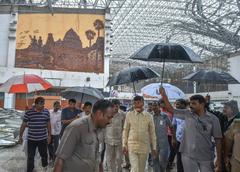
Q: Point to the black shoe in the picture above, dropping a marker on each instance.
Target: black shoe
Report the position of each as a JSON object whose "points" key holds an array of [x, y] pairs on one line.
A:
{"points": [[127, 166], [170, 166]]}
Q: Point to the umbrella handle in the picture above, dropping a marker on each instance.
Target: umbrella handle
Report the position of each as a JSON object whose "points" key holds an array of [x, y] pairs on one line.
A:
{"points": [[163, 71], [82, 94], [26, 100], [82, 97], [134, 89]]}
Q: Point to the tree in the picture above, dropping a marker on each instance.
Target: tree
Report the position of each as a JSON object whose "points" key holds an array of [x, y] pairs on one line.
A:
{"points": [[216, 20], [90, 36], [99, 25]]}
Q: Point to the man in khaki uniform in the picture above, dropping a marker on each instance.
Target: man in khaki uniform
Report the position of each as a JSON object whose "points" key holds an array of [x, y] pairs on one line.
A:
{"points": [[232, 148], [113, 139], [200, 128], [79, 146], [138, 129]]}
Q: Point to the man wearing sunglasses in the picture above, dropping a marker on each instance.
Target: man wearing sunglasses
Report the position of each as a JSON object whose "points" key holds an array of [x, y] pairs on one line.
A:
{"points": [[200, 127], [37, 119]]}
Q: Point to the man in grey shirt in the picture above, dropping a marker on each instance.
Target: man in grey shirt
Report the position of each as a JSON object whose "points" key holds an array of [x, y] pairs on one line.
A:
{"points": [[200, 127], [161, 122], [79, 146]]}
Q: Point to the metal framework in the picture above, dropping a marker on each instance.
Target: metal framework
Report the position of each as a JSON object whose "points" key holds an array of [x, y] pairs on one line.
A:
{"points": [[209, 27]]}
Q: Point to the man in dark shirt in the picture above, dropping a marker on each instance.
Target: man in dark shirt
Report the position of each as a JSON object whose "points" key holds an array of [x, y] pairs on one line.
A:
{"points": [[230, 112], [69, 114], [39, 133]]}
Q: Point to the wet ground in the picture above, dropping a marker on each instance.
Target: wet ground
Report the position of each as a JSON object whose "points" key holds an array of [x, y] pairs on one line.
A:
{"points": [[13, 160]]}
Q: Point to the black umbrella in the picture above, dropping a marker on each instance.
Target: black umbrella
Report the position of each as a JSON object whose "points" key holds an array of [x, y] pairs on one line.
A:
{"points": [[212, 77], [166, 52], [131, 75], [82, 94]]}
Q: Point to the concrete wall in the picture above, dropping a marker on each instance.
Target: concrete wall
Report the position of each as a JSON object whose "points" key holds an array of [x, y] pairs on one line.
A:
{"points": [[4, 27], [218, 95], [57, 78], [234, 89]]}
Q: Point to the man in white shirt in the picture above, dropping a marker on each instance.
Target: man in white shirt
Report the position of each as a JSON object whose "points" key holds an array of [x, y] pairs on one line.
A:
{"points": [[87, 109], [55, 120]]}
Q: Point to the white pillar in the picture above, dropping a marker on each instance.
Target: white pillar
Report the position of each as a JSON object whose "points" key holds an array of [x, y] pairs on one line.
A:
{"points": [[9, 101], [107, 53], [194, 82], [234, 63]]}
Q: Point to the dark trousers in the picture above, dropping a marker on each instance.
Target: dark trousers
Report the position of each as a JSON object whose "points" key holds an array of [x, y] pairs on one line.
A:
{"points": [[52, 147], [150, 160], [172, 151], [42, 149], [179, 159]]}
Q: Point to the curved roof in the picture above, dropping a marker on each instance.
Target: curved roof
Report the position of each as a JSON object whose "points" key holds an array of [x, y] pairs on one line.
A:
{"points": [[209, 27]]}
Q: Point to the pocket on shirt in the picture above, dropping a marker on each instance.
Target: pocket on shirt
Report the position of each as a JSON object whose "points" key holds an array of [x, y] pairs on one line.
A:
{"points": [[88, 141], [89, 148]]}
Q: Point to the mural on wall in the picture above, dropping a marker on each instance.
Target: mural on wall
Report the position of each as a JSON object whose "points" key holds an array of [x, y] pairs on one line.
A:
{"points": [[66, 42]]}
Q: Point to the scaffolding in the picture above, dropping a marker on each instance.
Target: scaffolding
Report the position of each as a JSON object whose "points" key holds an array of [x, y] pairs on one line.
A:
{"points": [[210, 27]]}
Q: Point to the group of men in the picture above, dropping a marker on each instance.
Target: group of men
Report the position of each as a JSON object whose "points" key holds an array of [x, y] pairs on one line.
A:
{"points": [[103, 134], [44, 128]]}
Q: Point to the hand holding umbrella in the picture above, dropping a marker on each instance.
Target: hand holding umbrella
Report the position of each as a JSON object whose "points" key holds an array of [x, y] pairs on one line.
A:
{"points": [[165, 99], [162, 91]]}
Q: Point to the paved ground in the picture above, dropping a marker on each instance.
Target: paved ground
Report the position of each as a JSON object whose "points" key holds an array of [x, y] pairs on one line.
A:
{"points": [[14, 160]]}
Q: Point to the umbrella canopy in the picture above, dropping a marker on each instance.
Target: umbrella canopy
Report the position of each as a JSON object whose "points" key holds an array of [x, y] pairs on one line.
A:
{"points": [[211, 77], [172, 91], [82, 94], [24, 84], [166, 52], [131, 75]]}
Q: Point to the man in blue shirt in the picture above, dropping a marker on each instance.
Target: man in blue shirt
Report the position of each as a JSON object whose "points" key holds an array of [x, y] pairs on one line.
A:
{"points": [[39, 133], [178, 128], [69, 114]]}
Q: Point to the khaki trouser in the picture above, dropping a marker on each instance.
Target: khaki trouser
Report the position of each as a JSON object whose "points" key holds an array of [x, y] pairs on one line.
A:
{"points": [[235, 165], [114, 157], [193, 165], [137, 161]]}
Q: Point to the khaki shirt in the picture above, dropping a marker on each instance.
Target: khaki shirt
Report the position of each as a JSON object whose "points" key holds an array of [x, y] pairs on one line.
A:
{"points": [[232, 139], [79, 146], [198, 133], [138, 129], [113, 132], [161, 122]]}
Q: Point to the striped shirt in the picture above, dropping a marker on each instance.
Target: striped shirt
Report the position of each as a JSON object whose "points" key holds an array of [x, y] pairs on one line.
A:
{"points": [[37, 124]]}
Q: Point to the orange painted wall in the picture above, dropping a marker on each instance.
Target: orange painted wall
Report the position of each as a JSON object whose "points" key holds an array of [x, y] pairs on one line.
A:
{"points": [[21, 104], [49, 100], [1, 103]]}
